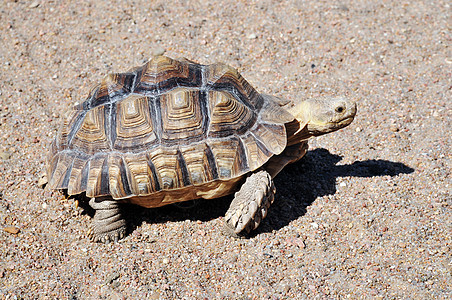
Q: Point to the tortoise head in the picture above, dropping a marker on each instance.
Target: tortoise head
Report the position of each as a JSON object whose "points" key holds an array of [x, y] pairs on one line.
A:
{"points": [[318, 116]]}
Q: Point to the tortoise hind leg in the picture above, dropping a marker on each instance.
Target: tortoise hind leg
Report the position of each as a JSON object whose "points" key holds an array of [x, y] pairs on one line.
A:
{"points": [[108, 223], [250, 204]]}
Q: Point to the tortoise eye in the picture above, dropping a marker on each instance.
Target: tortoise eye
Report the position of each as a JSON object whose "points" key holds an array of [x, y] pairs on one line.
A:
{"points": [[340, 109]]}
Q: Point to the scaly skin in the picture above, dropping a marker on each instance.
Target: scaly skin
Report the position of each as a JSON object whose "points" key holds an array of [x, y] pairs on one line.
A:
{"points": [[250, 204], [290, 155], [108, 223]]}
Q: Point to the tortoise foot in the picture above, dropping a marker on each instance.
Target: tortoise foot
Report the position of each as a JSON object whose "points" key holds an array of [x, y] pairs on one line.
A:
{"points": [[108, 225], [250, 205]]}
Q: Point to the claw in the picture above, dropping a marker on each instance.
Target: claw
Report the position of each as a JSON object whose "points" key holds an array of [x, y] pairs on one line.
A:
{"points": [[264, 211], [90, 232], [259, 195], [234, 220], [252, 207], [257, 220]]}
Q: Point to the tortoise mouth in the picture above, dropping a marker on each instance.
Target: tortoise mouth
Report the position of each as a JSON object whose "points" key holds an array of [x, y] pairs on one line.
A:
{"points": [[333, 126], [316, 129], [345, 122]]}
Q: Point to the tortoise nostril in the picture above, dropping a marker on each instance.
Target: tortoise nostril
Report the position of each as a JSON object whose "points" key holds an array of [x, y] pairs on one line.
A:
{"points": [[340, 109]]}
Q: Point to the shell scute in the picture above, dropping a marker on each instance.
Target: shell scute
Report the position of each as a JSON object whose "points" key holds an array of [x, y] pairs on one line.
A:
{"points": [[201, 166], [256, 151], [230, 157], [98, 180], [61, 169], [133, 124], [90, 136], [184, 117], [74, 185], [118, 177], [141, 177], [71, 122], [220, 76], [272, 136], [228, 115], [162, 73], [111, 89], [169, 167]]}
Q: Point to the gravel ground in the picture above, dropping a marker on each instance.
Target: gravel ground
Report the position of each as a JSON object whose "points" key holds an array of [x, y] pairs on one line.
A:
{"points": [[365, 215]]}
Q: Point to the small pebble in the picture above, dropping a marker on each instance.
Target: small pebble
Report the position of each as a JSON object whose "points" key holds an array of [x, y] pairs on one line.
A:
{"points": [[394, 128], [158, 51], [42, 181], [11, 229], [402, 245], [5, 155], [112, 277], [314, 225], [34, 4]]}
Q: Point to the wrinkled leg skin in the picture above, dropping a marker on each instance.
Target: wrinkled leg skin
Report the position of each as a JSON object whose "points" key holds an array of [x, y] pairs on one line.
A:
{"points": [[250, 205], [290, 155], [108, 224]]}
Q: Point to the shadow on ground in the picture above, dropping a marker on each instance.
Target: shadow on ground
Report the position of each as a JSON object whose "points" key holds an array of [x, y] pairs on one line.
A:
{"points": [[298, 185]]}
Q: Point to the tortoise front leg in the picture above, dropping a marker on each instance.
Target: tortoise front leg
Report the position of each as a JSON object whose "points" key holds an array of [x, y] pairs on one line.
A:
{"points": [[250, 204], [290, 155], [108, 223]]}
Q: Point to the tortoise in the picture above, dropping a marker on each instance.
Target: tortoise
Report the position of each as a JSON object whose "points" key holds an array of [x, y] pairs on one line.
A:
{"points": [[174, 130]]}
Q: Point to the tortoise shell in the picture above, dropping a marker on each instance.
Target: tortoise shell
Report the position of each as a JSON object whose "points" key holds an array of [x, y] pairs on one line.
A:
{"points": [[167, 131]]}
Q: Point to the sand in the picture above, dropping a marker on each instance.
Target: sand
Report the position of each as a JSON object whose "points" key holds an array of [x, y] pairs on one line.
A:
{"points": [[365, 215]]}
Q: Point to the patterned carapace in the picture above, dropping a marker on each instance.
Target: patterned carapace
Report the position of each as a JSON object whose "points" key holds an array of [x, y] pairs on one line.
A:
{"points": [[166, 125]]}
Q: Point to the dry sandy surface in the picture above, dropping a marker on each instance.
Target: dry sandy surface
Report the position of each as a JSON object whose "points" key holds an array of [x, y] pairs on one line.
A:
{"points": [[365, 215]]}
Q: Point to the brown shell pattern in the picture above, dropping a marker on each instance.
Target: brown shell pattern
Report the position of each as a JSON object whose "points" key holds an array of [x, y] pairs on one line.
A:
{"points": [[167, 125]]}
